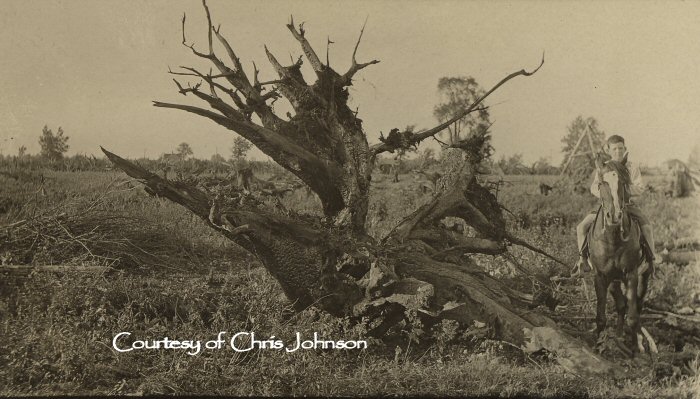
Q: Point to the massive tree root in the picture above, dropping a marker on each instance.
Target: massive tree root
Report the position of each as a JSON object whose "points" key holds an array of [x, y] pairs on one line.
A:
{"points": [[330, 262]]}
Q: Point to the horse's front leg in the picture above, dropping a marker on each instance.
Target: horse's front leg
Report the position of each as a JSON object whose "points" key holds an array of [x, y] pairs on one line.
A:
{"points": [[601, 293], [620, 306], [633, 309], [642, 287]]}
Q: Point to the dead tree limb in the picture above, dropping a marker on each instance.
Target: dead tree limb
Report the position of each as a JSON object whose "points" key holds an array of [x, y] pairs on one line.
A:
{"points": [[418, 137]]}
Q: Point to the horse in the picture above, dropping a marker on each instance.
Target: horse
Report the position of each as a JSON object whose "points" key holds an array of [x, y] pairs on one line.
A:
{"points": [[616, 254]]}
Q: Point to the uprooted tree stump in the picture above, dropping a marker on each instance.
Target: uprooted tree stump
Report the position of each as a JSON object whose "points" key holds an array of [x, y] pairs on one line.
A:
{"points": [[331, 262]]}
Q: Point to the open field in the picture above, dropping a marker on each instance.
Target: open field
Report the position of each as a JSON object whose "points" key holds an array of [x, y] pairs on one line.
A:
{"points": [[173, 276]]}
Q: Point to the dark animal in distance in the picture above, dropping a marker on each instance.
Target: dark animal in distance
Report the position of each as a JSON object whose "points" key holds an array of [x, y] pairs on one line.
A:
{"points": [[545, 189]]}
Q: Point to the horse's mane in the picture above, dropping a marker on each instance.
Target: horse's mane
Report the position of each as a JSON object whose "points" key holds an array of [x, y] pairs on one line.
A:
{"points": [[622, 172]]}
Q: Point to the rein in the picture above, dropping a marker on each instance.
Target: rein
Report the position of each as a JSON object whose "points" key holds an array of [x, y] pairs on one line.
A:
{"points": [[622, 226]]}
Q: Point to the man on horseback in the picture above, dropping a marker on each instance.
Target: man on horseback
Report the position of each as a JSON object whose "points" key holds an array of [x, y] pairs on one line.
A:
{"points": [[617, 150]]}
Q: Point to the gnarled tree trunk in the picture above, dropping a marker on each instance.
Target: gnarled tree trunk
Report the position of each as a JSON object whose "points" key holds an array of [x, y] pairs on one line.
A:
{"points": [[331, 262]]}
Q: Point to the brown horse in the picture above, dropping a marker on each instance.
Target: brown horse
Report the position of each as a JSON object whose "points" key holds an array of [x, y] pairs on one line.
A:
{"points": [[616, 254]]}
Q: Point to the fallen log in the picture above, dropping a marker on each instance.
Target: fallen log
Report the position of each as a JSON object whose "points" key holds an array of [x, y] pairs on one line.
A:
{"points": [[680, 243], [680, 257]]}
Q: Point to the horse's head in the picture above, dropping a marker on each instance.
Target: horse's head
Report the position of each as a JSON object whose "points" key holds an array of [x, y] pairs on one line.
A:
{"points": [[614, 187]]}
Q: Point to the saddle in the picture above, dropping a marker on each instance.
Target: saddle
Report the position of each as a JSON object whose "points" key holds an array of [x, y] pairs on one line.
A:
{"points": [[646, 250]]}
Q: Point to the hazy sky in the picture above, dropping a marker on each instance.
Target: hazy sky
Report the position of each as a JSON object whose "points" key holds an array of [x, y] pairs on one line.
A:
{"points": [[93, 67]]}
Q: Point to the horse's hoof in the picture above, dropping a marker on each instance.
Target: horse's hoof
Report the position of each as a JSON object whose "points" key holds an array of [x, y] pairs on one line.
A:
{"points": [[625, 349]]}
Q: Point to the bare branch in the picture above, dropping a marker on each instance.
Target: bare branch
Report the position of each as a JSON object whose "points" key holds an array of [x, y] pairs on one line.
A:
{"points": [[346, 79], [239, 103], [229, 50], [212, 87], [271, 82], [275, 64], [237, 77], [216, 103], [180, 88], [191, 46], [247, 111], [305, 46], [328, 47], [442, 143], [354, 52], [218, 118], [417, 138], [282, 149], [255, 102], [291, 86], [271, 94], [184, 16], [209, 27], [256, 82], [210, 76], [533, 248]]}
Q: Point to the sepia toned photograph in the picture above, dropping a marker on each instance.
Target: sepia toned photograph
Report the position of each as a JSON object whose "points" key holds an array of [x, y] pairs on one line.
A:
{"points": [[350, 199]]}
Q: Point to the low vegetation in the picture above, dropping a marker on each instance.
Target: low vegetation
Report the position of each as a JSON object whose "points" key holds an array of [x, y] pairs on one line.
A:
{"points": [[170, 275]]}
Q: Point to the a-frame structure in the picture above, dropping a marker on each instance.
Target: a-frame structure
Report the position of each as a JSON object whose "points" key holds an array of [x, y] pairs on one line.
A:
{"points": [[575, 153]]}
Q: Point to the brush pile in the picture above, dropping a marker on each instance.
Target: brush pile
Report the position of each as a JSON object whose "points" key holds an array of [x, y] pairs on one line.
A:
{"points": [[80, 232]]}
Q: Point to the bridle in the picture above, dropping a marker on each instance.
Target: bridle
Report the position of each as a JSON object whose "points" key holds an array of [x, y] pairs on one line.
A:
{"points": [[624, 202]]}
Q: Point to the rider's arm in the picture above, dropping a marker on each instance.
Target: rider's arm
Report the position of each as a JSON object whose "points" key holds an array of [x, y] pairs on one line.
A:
{"points": [[637, 187], [595, 190]]}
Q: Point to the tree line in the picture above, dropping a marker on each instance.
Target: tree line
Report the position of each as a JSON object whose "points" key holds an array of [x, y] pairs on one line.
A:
{"points": [[455, 92]]}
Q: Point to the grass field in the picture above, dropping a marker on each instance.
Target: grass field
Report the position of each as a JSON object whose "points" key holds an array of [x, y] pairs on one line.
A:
{"points": [[175, 277]]}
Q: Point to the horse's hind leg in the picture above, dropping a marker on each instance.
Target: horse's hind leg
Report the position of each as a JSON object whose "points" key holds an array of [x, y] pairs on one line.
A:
{"points": [[601, 293], [620, 306]]}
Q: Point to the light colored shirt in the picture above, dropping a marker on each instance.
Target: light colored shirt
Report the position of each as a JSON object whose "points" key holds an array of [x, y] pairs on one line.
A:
{"points": [[637, 186]]}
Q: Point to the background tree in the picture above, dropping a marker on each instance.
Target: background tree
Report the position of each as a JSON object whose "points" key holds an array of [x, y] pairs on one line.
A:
{"points": [[53, 145], [456, 95], [581, 167], [513, 165], [22, 151], [417, 273], [543, 167], [400, 157], [240, 148], [184, 150]]}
